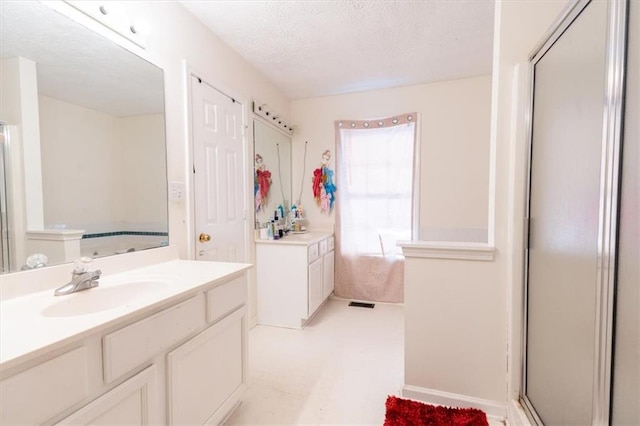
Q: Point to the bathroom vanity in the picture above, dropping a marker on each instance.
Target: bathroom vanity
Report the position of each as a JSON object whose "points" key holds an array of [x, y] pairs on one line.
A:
{"points": [[161, 344], [295, 275]]}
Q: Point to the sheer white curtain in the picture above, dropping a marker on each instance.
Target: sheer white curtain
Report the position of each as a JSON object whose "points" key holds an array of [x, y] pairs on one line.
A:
{"points": [[374, 206]]}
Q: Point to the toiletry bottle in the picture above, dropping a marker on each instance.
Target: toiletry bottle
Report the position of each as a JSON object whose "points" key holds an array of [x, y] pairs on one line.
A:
{"points": [[270, 230]]}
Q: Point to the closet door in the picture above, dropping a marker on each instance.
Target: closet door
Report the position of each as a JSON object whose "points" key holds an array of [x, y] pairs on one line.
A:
{"points": [[564, 200]]}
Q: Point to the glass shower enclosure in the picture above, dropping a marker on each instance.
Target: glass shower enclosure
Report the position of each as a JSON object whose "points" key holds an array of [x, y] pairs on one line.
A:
{"points": [[582, 331]]}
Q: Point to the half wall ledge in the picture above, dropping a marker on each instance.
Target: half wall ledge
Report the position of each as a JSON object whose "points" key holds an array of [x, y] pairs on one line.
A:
{"points": [[448, 250]]}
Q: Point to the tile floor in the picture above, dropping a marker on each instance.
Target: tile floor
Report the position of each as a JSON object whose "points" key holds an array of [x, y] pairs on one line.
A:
{"points": [[338, 370]]}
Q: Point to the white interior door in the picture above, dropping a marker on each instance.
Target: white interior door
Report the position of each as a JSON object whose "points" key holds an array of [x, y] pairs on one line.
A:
{"points": [[218, 168]]}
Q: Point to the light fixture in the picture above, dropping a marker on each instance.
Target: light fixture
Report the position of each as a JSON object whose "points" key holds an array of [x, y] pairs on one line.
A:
{"points": [[140, 27], [113, 16], [260, 109]]}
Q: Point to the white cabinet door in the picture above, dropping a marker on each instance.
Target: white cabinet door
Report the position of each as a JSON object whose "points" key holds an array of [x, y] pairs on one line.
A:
{"points": [[207, 374], [135, 402], [315, 286], [327, 274]]}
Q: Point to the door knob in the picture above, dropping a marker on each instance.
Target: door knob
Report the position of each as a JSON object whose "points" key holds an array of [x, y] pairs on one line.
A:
{"points": [[204, 238]]}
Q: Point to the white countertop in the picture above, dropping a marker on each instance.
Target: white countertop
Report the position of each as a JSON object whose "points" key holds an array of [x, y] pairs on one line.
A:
{"points": [[304, 239], [39, 322]]}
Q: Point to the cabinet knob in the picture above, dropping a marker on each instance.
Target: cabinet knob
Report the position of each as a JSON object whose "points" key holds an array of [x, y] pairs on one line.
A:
{"points": [[204, 237]]}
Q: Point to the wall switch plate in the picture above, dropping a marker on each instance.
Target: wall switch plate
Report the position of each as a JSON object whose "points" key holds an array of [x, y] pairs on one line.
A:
{"points": [[176, 191]]}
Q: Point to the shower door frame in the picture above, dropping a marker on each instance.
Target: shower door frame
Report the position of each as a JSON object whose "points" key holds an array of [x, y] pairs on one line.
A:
{"points": [[5, 258], [615, 60]]}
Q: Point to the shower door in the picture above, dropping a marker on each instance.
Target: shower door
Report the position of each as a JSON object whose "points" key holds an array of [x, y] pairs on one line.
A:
{"points": [[572, 208]]}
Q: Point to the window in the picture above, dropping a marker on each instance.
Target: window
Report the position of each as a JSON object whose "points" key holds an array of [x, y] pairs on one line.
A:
{"points": [[375, 197]]}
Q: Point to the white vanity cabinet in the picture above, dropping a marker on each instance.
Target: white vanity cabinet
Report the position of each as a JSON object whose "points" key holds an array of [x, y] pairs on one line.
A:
{"points": [[294, 275], [178, 362]]}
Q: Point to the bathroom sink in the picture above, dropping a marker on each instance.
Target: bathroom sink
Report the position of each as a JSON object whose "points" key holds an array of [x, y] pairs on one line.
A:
{"points": [[100, 299]]}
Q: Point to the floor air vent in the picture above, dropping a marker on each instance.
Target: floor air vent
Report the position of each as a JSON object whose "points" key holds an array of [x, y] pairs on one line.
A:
{"points": [[362, 305]]}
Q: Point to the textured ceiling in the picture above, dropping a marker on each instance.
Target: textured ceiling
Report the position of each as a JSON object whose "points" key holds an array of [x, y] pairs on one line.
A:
{"points": [[77, 65], [324, 47]]}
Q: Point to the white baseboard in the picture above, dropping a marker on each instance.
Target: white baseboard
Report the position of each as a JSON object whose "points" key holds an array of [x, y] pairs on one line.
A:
{"points": [[493, 409], [516, 414]]}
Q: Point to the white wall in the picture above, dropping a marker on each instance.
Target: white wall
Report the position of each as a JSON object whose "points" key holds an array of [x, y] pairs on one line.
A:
{"points": [[477, 302], [87, 154], [78, 141], [455, 329], [454, 142], [142, 144]]}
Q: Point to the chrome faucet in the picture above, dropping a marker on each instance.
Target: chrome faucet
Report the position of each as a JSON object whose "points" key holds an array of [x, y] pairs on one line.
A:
{"points": [[81, 279]]}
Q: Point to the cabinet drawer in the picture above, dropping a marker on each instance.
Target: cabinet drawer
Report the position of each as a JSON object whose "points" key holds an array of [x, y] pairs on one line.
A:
{"points": [[33, 396], [225, 298], [331, 243], [130, 346], [313, 253], [323, 247]]}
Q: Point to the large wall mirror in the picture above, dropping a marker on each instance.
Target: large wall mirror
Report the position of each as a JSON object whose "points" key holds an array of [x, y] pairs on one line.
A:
{"points": [[83, 158], [272, 171]]}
